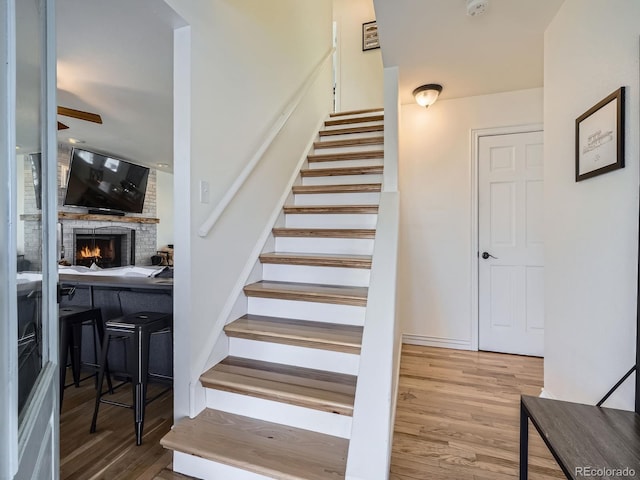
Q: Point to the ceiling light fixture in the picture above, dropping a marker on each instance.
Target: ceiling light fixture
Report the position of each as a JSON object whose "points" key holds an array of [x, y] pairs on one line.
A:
{"points": [[76, 140], [426, 95], [162, 165], [476, 7]]}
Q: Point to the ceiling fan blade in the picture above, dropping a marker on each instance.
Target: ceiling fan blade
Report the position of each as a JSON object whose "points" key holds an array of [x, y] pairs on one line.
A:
{"points": [[62, 126], [79, 114]]}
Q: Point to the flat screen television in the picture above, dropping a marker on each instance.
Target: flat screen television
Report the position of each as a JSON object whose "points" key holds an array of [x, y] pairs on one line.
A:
{"points": [[36, 170], [104, 183]]}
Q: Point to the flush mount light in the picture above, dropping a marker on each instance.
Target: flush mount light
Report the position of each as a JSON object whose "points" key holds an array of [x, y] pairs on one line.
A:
{"points": [[162, 165], [476, 7], [76, 140], [426, 95]]}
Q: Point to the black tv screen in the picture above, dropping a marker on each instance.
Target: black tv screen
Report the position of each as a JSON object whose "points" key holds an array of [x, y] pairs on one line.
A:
{"points": [[36, 170], [98, 181]]}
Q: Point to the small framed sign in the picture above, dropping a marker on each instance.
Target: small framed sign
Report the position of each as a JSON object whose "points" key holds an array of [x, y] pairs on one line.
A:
{"points": [[370, 36], [600, 137]]}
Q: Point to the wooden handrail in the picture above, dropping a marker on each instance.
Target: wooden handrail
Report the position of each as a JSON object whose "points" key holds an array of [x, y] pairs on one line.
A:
{"points": [[273, 132]]}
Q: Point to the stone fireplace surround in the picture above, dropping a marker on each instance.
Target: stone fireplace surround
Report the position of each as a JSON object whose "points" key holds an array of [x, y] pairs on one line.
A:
{"points": [[145, 233], [105, 246]]}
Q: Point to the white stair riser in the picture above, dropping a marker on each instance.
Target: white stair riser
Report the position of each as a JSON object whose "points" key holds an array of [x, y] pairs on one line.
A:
{"points": [[357, 198], [353, 277], [316, 358], [349, 246], [204, 469], [349, 136], [357, 115], [363, 162], [343, 179], [349, 148], [315, 312], [279, 412], [363, 123], [331, 220]]}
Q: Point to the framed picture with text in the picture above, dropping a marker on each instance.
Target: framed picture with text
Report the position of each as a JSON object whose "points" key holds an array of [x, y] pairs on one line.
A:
{"points": [[370, 36], [600, 137]]}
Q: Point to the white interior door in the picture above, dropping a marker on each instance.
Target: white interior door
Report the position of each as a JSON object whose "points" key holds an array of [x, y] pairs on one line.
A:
{"points": [[510, 243], [28, 269]]}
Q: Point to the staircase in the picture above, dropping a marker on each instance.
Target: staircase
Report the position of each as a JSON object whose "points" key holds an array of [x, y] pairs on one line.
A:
{"points": [[280, 405]]}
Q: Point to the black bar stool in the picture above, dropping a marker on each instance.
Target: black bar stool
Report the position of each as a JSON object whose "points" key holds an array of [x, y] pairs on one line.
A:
{"points": [[137, 328], [71, 320]]}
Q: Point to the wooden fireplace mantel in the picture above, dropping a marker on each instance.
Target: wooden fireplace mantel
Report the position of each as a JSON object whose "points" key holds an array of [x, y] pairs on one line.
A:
{"points": [[93, 217]]}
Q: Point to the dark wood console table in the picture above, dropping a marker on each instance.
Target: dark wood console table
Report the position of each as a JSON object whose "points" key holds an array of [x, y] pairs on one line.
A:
{"points": [[586, 441]]}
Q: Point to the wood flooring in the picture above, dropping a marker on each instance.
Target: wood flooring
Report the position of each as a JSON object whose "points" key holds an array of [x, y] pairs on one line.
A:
{"points": [[457, 416], [111, 453], [457, 419]]}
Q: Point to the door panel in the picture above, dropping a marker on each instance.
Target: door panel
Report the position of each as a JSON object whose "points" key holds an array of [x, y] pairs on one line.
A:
{"points": [[28, 362], [502, 213], [503, 307], [510, 229]]}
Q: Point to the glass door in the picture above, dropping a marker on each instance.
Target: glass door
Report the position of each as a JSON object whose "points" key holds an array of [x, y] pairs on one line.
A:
{"points": [[28, 212]]}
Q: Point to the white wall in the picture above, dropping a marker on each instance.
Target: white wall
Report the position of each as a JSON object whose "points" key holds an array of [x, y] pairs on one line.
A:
{"points": [[164, 207], [360, 74], [247, 59], [591, 49], [436, 217]]}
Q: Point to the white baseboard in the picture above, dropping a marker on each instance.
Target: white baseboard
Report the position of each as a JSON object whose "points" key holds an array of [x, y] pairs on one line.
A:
{"points": [[546, 394], [428, 341]]}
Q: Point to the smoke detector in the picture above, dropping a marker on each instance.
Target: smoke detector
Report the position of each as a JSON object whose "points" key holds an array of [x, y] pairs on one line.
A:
{"points": [[476, 7]]}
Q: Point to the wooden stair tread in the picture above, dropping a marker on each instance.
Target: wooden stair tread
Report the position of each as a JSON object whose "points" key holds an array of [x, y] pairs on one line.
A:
{"points": [[317, 260], [349, 142], [354, 188], [356, 112], [261, 447], [348, 130], [336, 157], [305, 387], [308, 292], [330, 209], [363, 233], [331, 172], [301, 333], [346, 121]]}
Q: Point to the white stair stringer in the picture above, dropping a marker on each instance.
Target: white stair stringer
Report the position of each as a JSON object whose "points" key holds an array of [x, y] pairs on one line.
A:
{"points": [[279, 412]]}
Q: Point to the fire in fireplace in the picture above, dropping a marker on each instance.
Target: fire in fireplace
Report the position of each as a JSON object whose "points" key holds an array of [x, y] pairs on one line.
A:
{"points": [[104, 247], [86, 252]]}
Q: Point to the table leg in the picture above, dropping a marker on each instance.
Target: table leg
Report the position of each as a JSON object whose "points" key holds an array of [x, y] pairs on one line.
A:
{"points": [[524, 442]]}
